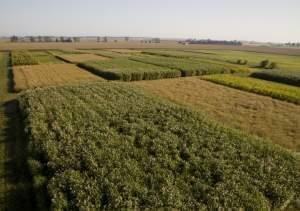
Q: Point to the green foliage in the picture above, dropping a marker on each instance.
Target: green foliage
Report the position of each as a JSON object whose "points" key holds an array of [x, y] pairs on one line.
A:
{"points": [[22, 58], [44, 57], [190, 67], [128, 70], [282, 76], [274, 90], [110, 146], [264, 63]]}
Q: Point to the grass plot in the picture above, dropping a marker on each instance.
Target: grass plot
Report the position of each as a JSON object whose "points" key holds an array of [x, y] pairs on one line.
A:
{"points": [[44, 75], [77, 58]]}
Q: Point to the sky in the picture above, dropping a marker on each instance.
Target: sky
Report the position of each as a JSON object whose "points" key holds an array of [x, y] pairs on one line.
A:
{"points": [[252, 20]]}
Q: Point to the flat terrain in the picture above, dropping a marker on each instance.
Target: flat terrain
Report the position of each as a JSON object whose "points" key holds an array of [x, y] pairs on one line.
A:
{"points": [[15, 182], [135, 44], [184, 143], [263, 116], [111, 146], [258, 86], [76, 58], [32, 76]]}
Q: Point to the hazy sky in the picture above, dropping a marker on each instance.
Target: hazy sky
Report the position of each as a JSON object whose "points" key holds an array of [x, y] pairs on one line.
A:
{"points": [[261, 20]]}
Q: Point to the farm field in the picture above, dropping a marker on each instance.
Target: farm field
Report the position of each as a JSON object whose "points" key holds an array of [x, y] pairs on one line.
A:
{"points": [[137, 151], [128, 70], [190, 67], [285, 62], [262, 116], [281, 76], [258, 86], [107, 53], [26, 77], [77, 58], [138, 45], [44, 57], [153, 139], [15, 181]]}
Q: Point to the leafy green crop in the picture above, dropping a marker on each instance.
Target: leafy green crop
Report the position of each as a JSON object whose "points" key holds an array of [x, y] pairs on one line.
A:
{"points": [[190, 67], [110, 146], [22, 58], [282, 76], [127, 70], [275, 90]]}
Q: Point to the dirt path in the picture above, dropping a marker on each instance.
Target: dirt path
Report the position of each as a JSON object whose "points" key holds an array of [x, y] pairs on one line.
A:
{"points": [[15, 184]]}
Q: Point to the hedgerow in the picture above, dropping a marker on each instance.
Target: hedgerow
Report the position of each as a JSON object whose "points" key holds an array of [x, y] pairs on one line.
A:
{"points": [[110, 146], [127, 70], [22, 58], [272, 89], [282, 76]]}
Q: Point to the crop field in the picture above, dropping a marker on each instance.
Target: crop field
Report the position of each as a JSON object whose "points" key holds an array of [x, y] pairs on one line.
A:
{"points": [[190, 67], [265, 117], [107, 53], [282, 76], [44, 57], [284, 62], [128, 70], [227, 136], [111, 146], [126, 51], [267, 88], [22, 58], [77, 58], [26, 77]]}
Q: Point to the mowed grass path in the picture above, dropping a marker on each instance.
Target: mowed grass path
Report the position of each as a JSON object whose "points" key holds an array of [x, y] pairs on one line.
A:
{"points": [[259, 115], [15, 185]]}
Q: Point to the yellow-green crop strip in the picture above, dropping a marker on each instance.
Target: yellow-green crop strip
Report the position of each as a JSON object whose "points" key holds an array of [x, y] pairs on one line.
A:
{"points": [[258, 86]]}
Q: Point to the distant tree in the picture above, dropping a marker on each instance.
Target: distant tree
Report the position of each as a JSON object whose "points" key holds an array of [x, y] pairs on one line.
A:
{"points": [[32, 39], [156, 40], [14, 39], [40, 39], [272, 65], [105, 39], [76, 39], [98, 39], [264, 63], [126, 39], [47, 39], [115, 40], [61, 39]]}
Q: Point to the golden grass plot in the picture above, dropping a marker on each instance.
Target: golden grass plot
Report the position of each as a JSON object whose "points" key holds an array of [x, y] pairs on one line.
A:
{"points": [[259, 115], [49, 74], [76, 58]]}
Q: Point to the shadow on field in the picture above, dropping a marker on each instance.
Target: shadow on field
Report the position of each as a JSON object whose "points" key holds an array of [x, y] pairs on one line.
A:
{"points": [[10, 76], [17, 177]]}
